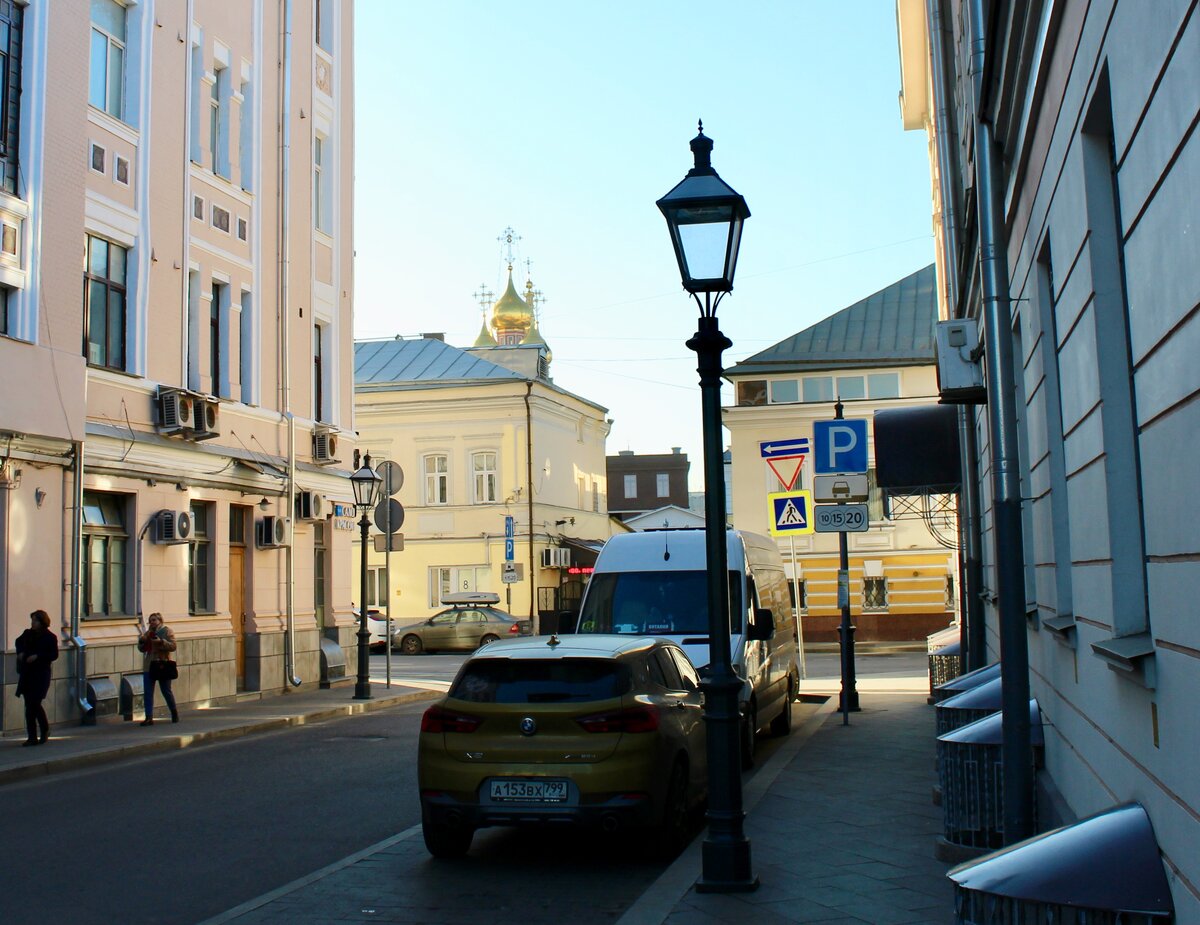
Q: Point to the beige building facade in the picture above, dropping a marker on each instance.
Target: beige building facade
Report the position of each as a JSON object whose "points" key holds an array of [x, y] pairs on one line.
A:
{"points": [[177, 306]]}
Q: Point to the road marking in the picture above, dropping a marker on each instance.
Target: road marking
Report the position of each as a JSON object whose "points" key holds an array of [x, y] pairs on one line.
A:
{"points": [[260, 901]]}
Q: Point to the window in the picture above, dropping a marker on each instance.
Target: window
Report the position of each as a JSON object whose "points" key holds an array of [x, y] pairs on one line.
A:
{"points": [[818, 388], [444, 579], [98, 158], [245, 342], [246, 138], [883, 385], [200, 559], [243, 229], [483, 475], [318, 396], [105, 554], [104, 297], [662, 484], [11, 17], [875, 594], [194, 116], [322, 186], [851, 388], [596, 497], [5, 298], [437, 479], [951, 597], [784, 391], [106, 81], [631, 486], [218, 130], [875, 506], [193, 331], [377, 587], [121, 170], [324, 24], [217, 307], [320, 567], [752, 392], [198, 208], [440, 584]]}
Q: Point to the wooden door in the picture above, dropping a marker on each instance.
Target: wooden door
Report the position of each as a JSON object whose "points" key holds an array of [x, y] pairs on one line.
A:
{"points": [[237, 608]]}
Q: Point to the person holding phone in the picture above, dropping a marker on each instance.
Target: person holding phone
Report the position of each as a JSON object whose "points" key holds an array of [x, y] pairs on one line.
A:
{"points": [[156, 643], [36, 648]]}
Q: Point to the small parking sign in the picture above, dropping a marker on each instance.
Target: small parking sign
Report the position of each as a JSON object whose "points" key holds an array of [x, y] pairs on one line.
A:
{"points": [[840, 446]]}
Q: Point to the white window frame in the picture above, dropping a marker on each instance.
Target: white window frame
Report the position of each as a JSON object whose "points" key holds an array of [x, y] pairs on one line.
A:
{"points": [[630, 485], [111, 42], [435, 478], [662, 484], [485, 478], [322, 185]]}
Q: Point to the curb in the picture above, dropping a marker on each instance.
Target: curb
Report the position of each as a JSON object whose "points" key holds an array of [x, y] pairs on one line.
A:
{"points": [[189, 739]]}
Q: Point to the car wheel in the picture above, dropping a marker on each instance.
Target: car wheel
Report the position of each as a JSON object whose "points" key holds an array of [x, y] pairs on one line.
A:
{"points": [[490, 637], [672, 831], [749, 735], [411, 645], [446, 841], [781, 725]]}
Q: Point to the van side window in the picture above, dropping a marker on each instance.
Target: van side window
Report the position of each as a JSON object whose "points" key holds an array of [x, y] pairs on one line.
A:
{"points": [[669, 670]]}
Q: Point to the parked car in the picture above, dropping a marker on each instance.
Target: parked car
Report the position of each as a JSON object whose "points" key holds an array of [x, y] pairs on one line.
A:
{"points": [[598, 730], [468, 623], [377, 624]]}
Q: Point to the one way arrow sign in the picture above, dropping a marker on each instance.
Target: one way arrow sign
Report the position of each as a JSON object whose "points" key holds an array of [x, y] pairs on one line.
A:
{"points": [[784, 449]]}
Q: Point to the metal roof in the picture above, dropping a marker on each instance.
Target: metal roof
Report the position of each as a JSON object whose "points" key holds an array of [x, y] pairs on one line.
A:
{"points": [[379, 362], [893, 327]]}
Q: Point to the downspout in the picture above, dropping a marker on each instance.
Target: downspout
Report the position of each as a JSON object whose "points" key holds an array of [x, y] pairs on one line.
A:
{"points": [[1002, 422], [76, 595], [970, 561], [141, 539], [285, 373], [184, 270], [529, 499]]}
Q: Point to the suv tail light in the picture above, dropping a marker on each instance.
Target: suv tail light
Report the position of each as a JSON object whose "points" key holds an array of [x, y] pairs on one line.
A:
{"points": [[630, 719], [437, 719]]}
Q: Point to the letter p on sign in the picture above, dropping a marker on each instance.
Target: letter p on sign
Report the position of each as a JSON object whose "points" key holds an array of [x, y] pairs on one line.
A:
{"points": [[840, 446]]}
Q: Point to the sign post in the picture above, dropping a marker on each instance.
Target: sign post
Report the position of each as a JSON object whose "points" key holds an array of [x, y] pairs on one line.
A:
{"points": [[393, 479]]}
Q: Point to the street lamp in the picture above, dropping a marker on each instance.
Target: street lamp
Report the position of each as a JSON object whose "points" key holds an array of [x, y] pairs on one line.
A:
{"points": [[705, 215], [365, 482]]}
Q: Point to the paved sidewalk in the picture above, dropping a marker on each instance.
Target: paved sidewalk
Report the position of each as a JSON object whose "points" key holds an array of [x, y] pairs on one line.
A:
{"points": [[73, 747]]}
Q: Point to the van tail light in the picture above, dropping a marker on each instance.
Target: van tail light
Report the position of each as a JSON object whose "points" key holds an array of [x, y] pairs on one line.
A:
{"points": [[437, 719], [514, 629], [630, 719]]}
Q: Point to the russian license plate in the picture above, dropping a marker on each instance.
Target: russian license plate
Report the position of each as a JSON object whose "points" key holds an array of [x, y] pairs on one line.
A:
{"points": [[508, 790]]}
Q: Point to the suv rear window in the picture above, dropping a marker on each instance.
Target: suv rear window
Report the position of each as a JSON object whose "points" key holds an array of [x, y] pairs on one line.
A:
{"points": [[565, 680]]}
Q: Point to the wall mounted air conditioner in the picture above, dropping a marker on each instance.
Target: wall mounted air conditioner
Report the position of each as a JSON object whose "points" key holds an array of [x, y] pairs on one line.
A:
{"points": [[172, 527], [208, 418], [311, 505], [960, 373], [272, 532], [325, 446], [556, 557], [176, 411]]}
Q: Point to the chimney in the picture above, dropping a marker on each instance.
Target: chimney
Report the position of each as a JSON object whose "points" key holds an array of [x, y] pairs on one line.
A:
{"points": [[624, 452], [434, 335], [676, 450]]}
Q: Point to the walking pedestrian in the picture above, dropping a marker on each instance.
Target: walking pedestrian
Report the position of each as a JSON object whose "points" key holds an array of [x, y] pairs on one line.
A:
{"points": [[157, 643], [36, 648]]}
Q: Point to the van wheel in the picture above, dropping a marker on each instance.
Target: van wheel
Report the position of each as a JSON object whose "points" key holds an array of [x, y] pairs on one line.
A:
{"points": [[446, 841], [781, 725], [411, 645], [749, 735]]}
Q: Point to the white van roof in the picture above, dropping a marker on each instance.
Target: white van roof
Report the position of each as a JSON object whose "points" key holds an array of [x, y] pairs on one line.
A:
{"points": [[471, 597], [644, 552]]}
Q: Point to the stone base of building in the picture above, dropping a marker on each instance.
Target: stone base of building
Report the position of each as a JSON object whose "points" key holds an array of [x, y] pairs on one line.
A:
{"points": [[876, 627]]}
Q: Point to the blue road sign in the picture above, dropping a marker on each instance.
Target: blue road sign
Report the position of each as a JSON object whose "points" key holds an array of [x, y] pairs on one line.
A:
{"points": [[841, 446], [509, 549], [791, 512], [784, 449], [508, 526]]}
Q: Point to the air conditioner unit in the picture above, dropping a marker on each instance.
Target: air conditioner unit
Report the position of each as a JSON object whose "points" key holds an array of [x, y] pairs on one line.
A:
{"points": [[208, 418], [564, 557], [176, 411], [272, 532], [556, 557], [325, 445], [548, 560], [959, 372], [311, 505], [172, 527]]}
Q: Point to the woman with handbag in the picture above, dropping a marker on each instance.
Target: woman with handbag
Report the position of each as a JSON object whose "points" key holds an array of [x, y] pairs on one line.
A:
{"points": [[36, 648], [157, 643]]}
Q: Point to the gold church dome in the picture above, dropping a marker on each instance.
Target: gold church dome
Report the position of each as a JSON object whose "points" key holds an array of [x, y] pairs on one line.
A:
{"points": [[485, 338], [535, 337], [511, 314]]}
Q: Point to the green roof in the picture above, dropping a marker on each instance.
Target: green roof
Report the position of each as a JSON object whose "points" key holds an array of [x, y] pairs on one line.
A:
{"points": [[893, 327]]}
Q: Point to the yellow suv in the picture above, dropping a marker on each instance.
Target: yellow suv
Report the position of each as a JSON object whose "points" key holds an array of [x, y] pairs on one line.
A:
{"points": [[599, 730]]}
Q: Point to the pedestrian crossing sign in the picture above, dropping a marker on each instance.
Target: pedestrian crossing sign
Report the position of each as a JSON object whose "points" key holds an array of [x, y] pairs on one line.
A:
{"points": [[790, 512]]}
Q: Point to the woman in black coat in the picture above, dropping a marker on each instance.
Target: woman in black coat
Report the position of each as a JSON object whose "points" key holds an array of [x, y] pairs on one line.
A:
{"points": [[37, 647]]}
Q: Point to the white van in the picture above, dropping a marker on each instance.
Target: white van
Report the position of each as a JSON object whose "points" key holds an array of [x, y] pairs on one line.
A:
{"points": [[655, 584]]}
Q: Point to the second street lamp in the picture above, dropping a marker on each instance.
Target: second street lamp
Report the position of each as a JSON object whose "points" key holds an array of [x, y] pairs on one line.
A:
{"points": [[365, 481], [705, 216]]}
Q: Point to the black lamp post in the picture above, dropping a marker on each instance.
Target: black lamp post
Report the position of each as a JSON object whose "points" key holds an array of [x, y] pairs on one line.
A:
{"points": [[705, 217], [366, 482]]}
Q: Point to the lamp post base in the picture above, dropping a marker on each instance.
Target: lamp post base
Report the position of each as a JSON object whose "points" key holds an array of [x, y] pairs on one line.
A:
{"points": [[731, 858]]}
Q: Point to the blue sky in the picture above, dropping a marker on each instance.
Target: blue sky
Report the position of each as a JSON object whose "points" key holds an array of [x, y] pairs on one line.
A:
{"points": [[567, 121]]}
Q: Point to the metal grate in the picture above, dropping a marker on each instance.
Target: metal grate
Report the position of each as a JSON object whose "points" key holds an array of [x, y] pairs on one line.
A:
{"points": [[972, 777], [945, 665], [975, 908]]}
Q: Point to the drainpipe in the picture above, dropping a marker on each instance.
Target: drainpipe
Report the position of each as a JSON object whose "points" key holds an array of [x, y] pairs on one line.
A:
{"points": [[970, 564], [533, 620], [1002, 421], [285, 373], [76, 595]]}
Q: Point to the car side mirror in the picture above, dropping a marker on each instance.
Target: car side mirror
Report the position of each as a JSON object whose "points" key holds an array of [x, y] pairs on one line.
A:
{"points": [[762, 627]]}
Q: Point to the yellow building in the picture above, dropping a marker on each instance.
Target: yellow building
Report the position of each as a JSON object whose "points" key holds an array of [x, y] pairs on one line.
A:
{"points": [[875, 354], [170, 425], [482, 435]]}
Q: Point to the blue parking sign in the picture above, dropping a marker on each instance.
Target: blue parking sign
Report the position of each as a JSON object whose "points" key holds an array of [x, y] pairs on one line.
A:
{"points": [[840, 446]]}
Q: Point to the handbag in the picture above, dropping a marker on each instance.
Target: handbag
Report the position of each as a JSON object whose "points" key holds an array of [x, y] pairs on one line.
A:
{"points": [[163, 669]]}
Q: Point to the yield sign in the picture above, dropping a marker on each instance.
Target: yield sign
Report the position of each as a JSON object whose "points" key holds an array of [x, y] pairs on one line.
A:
{"points": [[777, 451]]}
